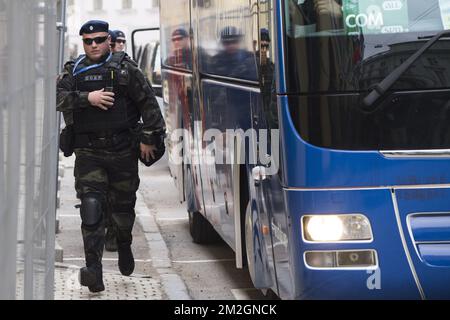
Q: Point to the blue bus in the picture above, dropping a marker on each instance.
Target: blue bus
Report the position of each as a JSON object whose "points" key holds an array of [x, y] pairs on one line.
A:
{"points": [[313, 137]]}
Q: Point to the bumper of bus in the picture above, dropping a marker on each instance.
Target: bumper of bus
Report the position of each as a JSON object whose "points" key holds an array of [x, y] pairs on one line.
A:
{"points": [[401, 271]]}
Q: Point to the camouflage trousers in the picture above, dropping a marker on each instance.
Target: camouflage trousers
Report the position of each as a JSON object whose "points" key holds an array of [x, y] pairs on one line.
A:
{"points": [[111, 176]]}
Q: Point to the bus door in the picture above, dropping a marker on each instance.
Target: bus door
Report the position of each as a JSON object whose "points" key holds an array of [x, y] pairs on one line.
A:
{"points": [[227, 112], [264, 191], [265, 186], [227, 84]]}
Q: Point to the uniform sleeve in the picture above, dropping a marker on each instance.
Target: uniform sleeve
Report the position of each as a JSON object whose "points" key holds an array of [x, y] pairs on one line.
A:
{"points": [[142, 94], [68, 99]]}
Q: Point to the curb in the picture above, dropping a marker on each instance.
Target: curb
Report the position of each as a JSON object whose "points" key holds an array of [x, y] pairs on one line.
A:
{"points": [[59, 252], [172, 284]]}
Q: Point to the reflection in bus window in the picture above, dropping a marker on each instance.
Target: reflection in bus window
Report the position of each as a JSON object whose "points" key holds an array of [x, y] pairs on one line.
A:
{"points": [[266, 79], [180, 55], [233, 60], [337, 51], [175, 34], [345, 39], [226, 45]]}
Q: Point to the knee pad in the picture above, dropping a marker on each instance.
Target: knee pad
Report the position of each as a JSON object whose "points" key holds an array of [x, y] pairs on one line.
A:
{"points": [[91, 210]]}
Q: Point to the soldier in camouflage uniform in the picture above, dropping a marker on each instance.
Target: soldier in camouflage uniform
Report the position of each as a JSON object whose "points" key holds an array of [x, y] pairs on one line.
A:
{"points": [[102, 96]]}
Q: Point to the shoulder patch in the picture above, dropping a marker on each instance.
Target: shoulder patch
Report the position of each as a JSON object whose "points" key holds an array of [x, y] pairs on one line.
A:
{"points": [[62, 75], [69, 63], [68, 66]]}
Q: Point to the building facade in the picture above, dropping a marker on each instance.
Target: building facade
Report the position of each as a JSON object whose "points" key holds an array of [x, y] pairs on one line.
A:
{"points": [[125, 15]]}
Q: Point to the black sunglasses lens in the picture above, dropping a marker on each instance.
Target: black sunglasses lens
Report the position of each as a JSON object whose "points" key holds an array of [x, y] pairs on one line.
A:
{"points": [[231, 42], [97, 40], [100, 40]]}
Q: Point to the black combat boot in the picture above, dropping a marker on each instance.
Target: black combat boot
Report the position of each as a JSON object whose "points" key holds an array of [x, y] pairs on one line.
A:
{"points": [[110, 240], [92, 277], [126, 259]]}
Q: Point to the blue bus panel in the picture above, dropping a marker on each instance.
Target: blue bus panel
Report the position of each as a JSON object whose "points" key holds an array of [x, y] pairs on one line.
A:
{"points": [[430, 251]]}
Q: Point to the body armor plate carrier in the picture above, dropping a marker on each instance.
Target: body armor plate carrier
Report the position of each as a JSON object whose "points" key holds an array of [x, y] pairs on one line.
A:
{"points": [[109, 75]]}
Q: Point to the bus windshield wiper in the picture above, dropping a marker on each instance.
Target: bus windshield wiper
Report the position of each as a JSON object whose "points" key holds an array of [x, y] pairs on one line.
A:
{"points": [[380, 89]]}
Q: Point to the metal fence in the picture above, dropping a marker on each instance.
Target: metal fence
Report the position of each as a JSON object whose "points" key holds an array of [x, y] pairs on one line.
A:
{"points": [[28, 148]]}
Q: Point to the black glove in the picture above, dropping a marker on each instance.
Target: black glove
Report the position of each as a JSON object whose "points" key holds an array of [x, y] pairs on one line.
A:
{"points": [[67, 140], [160, 150]]}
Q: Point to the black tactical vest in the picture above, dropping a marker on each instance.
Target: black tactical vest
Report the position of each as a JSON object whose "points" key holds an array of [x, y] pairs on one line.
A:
{"points": [[122, 115]]}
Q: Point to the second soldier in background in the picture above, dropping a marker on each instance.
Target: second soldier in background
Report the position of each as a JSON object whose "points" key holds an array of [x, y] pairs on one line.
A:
{"points": [[120, 41]]}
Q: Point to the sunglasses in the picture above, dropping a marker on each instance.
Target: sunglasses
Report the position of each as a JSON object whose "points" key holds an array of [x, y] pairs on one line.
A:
{"points": [[97, 40], [230, 42], [177, 39], [265, 46], [121, 41]]}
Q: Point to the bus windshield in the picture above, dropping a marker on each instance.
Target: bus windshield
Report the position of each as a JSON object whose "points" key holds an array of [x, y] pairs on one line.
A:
{"points": [[337, 51], [350, 45]]}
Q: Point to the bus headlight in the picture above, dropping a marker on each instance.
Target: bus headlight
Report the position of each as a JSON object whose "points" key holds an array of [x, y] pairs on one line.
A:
{"points": [[348, 227]]}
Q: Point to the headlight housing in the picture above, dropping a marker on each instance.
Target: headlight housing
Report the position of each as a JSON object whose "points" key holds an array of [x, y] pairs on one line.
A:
{"points": [[341, 259], [335, 228]]}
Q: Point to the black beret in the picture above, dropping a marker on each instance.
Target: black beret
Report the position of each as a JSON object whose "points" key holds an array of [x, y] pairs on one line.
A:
{"points": [[119, 34], [265, 35], [180, 33], [94, 26], [113, 36], [230, 33]]}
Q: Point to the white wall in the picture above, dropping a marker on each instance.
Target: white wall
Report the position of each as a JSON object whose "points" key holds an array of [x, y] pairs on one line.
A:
{"points": [[143, 14]]}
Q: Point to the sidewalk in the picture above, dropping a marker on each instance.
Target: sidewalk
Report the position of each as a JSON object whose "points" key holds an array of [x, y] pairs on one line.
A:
{"points": [[153, 277]]}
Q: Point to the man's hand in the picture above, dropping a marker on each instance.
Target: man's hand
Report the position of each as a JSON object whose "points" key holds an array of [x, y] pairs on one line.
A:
{"points": [[101, 99], [147, 151]]}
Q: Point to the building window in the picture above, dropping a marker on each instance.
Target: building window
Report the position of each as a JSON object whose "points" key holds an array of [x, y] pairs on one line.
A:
{"points": [[203, 3], [127, 4], [98, 5]]}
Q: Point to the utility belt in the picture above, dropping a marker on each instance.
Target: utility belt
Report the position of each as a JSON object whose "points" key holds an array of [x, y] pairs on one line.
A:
{"points": [[104, 140]]}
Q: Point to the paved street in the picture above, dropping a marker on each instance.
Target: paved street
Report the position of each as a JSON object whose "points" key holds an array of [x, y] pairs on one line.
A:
{"points": [[168, 264]]}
